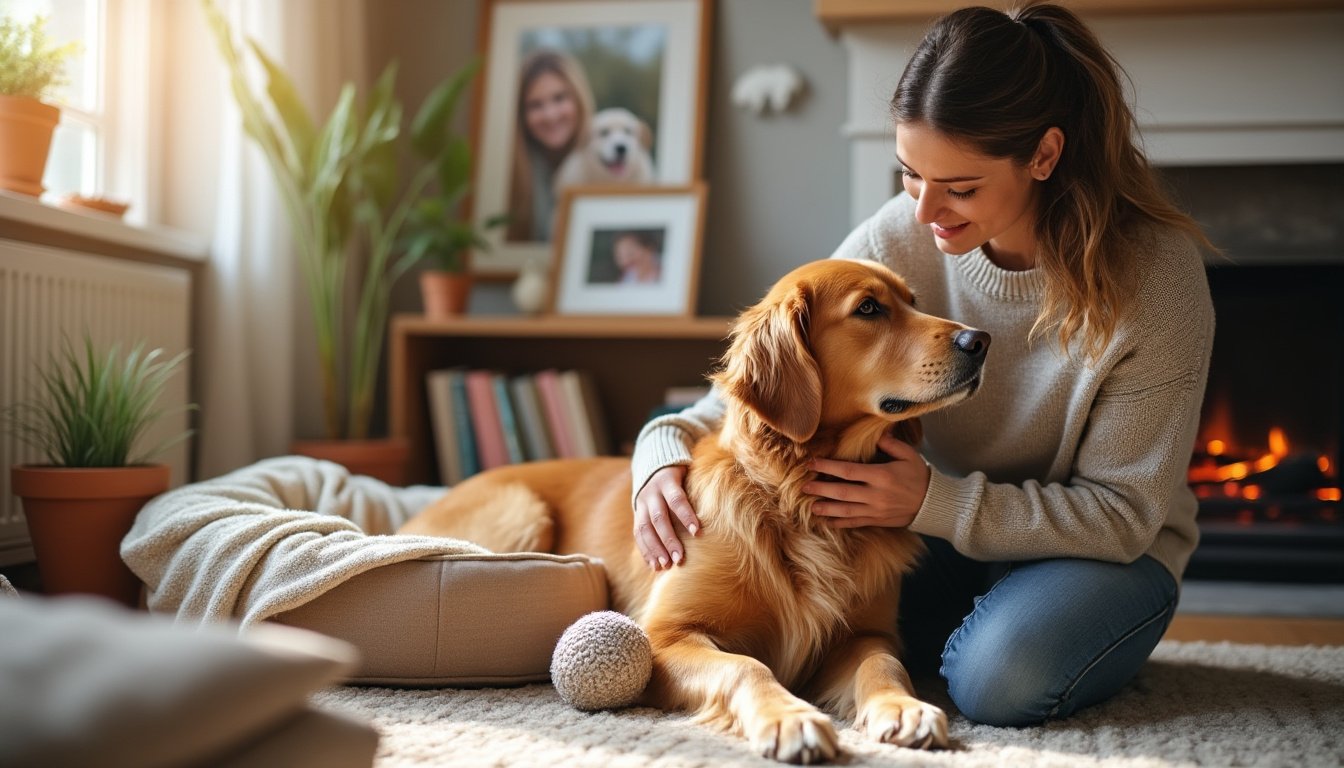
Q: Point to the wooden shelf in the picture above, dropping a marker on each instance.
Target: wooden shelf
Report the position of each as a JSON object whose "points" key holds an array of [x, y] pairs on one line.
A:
{"points": [[835, 14], [633, 361]]}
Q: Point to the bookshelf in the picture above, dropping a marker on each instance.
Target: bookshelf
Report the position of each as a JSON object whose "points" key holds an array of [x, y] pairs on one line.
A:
{"points": [[633, 361]]}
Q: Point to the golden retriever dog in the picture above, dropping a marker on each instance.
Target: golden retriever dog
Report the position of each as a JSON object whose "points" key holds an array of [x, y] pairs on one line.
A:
{"points": [[773, 616], [616, 152]]}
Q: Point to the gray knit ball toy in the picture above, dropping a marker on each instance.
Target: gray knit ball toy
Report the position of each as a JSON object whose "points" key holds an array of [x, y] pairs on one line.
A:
{"points": [[603, 661]]}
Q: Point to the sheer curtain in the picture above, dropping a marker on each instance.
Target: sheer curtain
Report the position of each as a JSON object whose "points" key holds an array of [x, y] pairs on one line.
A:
{"points": [[256, 379]]}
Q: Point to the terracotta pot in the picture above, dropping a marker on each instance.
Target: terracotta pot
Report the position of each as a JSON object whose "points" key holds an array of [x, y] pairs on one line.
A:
{"points": [[26, 126], [444, 294], [77, 518], [386, 459]]}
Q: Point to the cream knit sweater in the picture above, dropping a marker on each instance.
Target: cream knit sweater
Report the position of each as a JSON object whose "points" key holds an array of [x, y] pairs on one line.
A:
{"points": [[1056, 455]]}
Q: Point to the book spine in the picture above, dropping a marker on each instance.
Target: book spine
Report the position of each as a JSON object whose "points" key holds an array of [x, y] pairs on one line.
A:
{"points": [[527, 404], [490, 447], [466, 435], [557, 413], [595, 413], [572, 389], [439, 393], [508, 419]]}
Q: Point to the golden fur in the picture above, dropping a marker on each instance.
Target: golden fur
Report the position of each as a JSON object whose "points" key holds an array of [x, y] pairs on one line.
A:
{"points": [[771, 608]]}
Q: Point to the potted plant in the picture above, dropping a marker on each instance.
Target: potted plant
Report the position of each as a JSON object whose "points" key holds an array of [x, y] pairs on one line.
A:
{"points": [[31, 68], [435, 230], [82, 501], [340, 186]]}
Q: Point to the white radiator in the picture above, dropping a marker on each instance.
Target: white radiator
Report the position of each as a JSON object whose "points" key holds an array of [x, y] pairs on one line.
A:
{"points": [[47, 294]]}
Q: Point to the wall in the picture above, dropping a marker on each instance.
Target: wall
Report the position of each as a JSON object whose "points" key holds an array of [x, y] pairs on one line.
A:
{"points": [[777, 185]]}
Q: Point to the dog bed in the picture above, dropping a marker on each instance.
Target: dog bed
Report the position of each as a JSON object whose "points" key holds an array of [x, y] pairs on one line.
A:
{"points": [[303, 542]]}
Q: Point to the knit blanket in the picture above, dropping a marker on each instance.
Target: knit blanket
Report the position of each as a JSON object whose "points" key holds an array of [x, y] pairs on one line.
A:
{"points": [[271, 537]]}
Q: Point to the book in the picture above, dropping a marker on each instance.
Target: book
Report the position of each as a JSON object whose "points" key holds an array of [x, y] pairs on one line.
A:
{"points": [[586, 418], [491, 450], [443, 423], [508, 419], [466, 435], [557, 413], [531, 420]]}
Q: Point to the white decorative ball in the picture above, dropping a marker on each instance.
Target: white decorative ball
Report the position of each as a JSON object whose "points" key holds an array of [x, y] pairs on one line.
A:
{"points": [[603, 661]]}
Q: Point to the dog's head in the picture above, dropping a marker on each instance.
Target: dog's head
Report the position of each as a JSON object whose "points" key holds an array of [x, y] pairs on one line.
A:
{"points": [[617, 134], [838, 343]]}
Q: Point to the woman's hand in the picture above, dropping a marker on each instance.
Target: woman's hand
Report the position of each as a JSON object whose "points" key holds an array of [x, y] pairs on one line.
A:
{"points": [[873, 494], [656, 504]]}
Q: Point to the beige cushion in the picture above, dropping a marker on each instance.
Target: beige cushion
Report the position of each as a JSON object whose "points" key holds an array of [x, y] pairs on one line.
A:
{"points": [[83, 682], [457, 620], [303, 542]]}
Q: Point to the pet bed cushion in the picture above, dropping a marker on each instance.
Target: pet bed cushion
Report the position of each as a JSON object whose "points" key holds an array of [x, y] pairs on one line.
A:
{"points": [[303, 542]]}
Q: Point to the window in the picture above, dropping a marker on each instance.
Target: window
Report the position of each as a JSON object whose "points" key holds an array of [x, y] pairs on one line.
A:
{"points": [[79, 146], [99, 146]]}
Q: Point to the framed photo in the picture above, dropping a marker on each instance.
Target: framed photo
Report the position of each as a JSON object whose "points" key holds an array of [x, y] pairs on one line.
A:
{"points": [[628, 252], [578, 93]]}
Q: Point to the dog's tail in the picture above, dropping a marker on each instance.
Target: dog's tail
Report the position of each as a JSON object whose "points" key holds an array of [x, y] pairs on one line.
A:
{"points": [[501, 518]]}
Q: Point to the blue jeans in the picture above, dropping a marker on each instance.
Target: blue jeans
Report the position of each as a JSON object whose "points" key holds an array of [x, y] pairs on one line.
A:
{"points": [[1021, 643]]}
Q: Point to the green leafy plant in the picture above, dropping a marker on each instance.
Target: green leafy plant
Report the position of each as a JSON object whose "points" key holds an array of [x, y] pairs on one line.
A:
{"points": [[94, 408], [436, 231], [340, 186], [31, 65]]}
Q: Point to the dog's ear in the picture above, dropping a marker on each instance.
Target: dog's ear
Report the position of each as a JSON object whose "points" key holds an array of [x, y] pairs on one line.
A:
{"points": [[770, 368], [645, 134]]}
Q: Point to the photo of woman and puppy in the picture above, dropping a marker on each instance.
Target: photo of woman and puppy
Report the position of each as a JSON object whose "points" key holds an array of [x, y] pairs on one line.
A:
{"points": [[586, 113]]}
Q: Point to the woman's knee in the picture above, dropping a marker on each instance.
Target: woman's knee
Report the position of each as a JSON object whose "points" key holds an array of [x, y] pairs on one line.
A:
{"points": [[1000, 684], [1033, 652]]}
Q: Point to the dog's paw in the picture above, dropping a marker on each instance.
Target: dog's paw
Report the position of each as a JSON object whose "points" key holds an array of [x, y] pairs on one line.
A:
{"points": [[904, 721], [799, 734]]}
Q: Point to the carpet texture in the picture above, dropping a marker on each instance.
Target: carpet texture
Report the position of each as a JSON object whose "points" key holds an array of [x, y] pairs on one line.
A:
{"points": [[1193, 704]]}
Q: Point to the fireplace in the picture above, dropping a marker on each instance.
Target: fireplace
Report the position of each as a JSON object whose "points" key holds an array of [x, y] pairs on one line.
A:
{"points": [[1266, 467]]}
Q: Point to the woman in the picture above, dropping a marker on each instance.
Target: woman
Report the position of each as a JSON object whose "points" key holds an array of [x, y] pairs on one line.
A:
{"points": [[553, 110], [1054, 503]]}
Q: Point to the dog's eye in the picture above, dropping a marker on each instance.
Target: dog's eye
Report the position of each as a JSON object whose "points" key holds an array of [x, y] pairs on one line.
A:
{"points": [[868, 308]]}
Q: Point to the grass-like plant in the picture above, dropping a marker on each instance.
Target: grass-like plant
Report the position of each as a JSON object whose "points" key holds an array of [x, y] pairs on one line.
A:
{"points": [[31, 64], [93, 408]]}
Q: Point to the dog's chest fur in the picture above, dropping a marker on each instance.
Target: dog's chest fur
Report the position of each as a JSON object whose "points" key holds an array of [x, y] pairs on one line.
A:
{"points": [[796, 585]]}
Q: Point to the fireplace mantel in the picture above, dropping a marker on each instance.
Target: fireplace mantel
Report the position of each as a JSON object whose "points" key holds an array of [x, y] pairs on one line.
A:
{"points": [[1214, 84]]}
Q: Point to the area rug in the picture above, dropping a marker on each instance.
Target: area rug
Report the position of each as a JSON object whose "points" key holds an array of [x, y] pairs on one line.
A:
{"points": [[1193, 704]]}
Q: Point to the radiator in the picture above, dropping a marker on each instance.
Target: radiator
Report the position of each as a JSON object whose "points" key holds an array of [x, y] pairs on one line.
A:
{"points": [[47, 295]]}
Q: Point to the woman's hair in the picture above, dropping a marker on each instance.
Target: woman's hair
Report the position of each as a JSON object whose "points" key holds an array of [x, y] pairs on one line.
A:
{"points": [[997, 82], [524, 146]]}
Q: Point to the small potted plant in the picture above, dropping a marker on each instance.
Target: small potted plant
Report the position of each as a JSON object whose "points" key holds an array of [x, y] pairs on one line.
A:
{"points": [[435, 230], [82, 502], [31, 68]]}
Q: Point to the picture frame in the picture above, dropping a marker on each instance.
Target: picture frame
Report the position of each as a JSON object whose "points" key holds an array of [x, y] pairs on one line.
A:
{"points": [[628, 252], [649, 58]]}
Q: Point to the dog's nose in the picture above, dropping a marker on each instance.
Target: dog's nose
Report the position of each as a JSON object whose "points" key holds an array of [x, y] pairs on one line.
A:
{"points": [[972, 342], [620, 151]]}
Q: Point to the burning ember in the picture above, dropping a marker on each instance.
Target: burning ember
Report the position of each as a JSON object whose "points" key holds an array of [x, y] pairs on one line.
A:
{"points": [[1218, 471]]}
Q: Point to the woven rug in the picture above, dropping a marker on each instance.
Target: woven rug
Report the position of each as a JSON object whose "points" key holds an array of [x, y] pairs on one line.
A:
{"points": [[1193, 704]]}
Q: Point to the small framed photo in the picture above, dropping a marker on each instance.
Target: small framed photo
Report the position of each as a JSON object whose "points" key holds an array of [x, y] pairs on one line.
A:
{"points": [[628, 252], [582, 93]]}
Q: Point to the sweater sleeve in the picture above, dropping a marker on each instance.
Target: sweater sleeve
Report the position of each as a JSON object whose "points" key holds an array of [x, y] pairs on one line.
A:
{"points": [[667, 440], [1128, 478]]}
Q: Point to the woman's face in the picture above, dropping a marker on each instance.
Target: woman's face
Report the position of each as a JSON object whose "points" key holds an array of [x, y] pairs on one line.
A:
{"points": [[550, 111], [968, 199]]}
